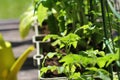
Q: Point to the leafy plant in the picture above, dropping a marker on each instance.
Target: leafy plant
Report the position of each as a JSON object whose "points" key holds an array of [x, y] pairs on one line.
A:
{"points": [[86, 59], [64, 41], [72, 61], [81, 32]]}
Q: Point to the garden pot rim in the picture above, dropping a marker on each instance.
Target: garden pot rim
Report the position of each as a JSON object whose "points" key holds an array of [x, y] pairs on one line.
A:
{"points": [[54, 78]]}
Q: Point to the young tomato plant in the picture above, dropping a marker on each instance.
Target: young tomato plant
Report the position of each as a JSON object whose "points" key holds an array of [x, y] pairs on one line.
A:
{"points": [[72, 64], [64, 41]]}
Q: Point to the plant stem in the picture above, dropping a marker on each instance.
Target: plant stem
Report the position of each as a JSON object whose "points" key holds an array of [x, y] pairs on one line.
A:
{"points": [[104, 19], [91, 9], [82, 15], [118, 67], [110, 25], [105, 31], [118, 70]]}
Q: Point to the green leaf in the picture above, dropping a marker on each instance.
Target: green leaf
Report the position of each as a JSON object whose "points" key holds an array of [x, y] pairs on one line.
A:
{"points": [[92, 69], [111, 58], [101, 61], [78, 64], [103, 74], [70, 59], [25, 22], [75, 76], [62, 45], [73, 68], [51, 54], [98, 73], [57, 42], [49, 36], [42, 13], [64, 33], [102, 53], [52, 68], [60, 69], [70, 39], [106, 60], [25, 27], [43, 70], [74, 44], [67, 69], [67, 59]]}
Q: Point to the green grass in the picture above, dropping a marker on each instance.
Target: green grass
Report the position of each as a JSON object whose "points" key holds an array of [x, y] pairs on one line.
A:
{"points": [[13, 8]]}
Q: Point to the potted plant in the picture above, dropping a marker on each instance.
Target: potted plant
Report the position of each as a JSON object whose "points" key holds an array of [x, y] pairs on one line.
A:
{"points": [[77, 65], [81, 35]]}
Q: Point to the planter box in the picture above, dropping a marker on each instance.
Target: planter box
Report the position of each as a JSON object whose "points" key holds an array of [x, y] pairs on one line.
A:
{"points": [[56, 78]]}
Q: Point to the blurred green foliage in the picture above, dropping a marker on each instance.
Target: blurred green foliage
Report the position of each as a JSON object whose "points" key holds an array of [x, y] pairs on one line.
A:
{"points": [[13, 8]]}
